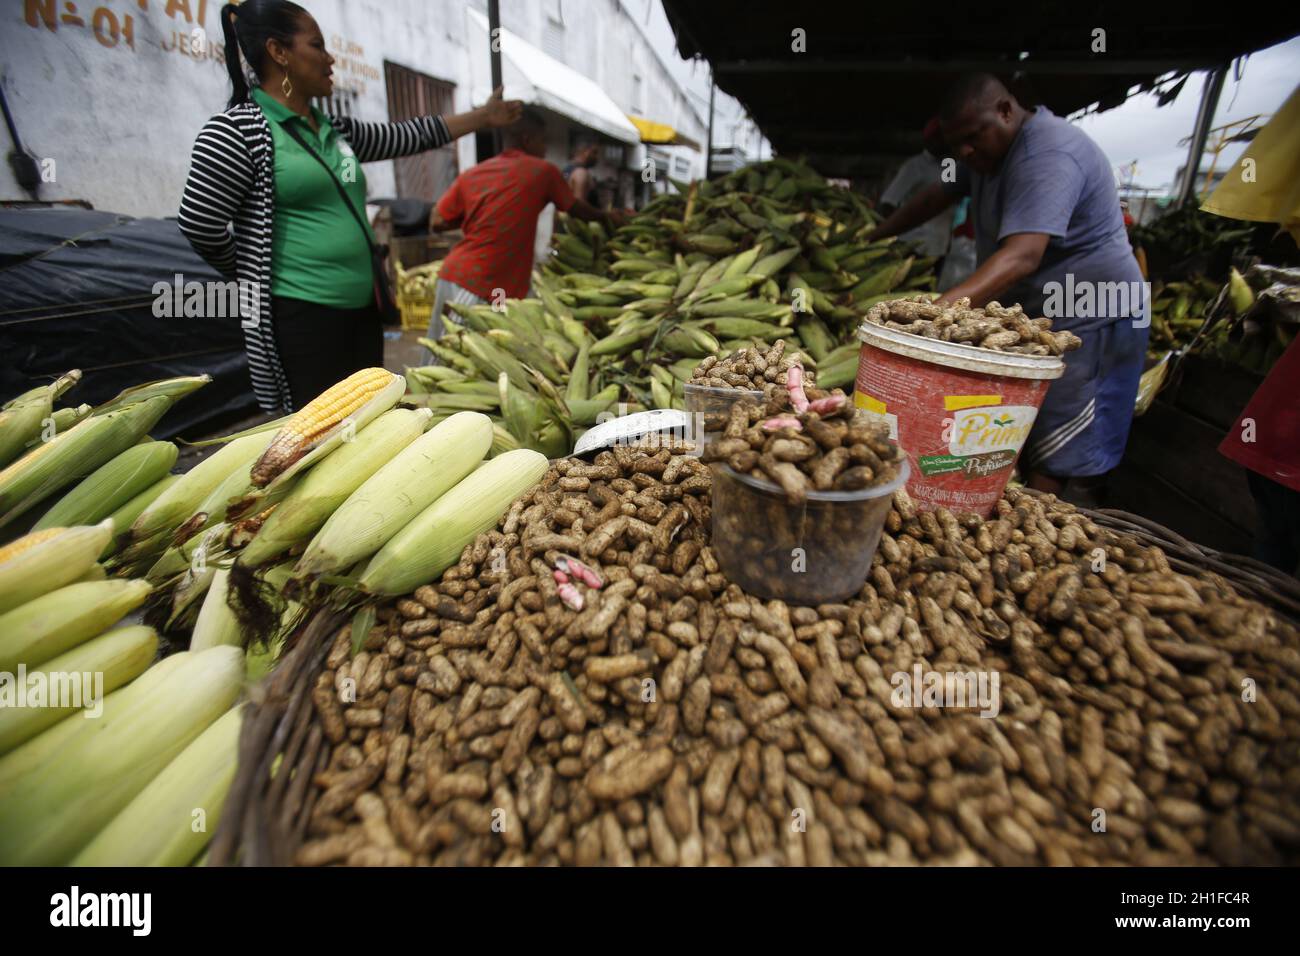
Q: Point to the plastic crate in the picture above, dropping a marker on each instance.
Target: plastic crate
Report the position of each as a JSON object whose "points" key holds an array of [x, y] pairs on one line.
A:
{"points": [[416, 306], [415, 313]]}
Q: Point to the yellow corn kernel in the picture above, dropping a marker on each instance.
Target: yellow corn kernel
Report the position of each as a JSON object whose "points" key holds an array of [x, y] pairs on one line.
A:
{"points": [[323, 413], [15, 548]]}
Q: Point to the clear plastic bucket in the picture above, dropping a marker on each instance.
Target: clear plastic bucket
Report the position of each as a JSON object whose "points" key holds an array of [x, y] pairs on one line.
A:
{"points": [[715, 405], [960, 412], [815, 553]]}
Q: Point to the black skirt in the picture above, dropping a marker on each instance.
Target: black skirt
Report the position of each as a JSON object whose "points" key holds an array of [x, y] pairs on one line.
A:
{"points": [[320, 345]]}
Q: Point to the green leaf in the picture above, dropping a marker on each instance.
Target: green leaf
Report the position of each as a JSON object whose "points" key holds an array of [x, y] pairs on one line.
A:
{"points": [[362, 622]]}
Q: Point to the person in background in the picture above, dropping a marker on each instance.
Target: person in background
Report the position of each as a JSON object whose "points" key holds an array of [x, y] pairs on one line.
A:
{"points": [[1045, 207], [959, 263], [1266, 442], [496, 204], [916, 173], [287, 177], [577, 173]]}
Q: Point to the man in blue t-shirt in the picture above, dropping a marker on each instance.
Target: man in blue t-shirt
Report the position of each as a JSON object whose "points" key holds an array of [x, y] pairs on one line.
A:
{"points": [[1050, 235]]}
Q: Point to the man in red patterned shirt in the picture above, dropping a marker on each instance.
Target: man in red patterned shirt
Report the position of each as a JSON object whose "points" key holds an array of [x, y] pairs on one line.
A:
{"points": [[496, 204]]}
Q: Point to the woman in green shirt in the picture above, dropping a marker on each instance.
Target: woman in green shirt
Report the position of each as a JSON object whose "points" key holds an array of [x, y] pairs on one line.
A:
{"points": [[288, 179]]}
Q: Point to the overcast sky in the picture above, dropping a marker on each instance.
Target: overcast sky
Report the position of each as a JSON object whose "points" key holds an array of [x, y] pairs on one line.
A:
{"points": [[1140, 130]]}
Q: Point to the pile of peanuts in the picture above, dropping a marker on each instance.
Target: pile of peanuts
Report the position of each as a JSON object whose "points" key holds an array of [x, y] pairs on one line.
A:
{"points": [[664, 717], [751, 369], [996, 327], [838, 449]]}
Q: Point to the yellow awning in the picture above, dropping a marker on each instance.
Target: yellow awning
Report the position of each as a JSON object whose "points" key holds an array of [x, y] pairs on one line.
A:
{"points": [[660, 134], [1264, 185]]}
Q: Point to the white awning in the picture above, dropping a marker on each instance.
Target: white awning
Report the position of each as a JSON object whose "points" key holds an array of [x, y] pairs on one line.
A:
{"points": [[530, 75]]}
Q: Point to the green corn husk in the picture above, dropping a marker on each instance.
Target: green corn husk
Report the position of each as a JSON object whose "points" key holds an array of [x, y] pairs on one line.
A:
{"points": [[42, 561], [20, 425], [192, 554], [115, 658], [186, 597], [502, 441], [432, 541], [74, 454], [179, 502], [169, 388], [64, 418], [579, 383], [112, 485], [21, 762], [23, 418], [160, 827], [217, 625], [56, 810], [54, 623], [329, 484], [54, 390], [125, 515], [448, 402], [390, 498]]}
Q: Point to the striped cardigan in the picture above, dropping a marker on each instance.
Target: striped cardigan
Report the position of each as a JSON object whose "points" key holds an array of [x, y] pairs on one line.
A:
{"points": [[231, 182]]}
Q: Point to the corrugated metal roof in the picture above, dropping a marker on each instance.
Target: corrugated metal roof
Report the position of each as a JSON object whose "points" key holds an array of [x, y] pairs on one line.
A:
{"points": [[854, 88]]}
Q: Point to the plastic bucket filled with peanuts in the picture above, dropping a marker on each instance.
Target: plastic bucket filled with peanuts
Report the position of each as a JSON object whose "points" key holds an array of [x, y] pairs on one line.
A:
{"points": [[816, 551], [962, 413]]}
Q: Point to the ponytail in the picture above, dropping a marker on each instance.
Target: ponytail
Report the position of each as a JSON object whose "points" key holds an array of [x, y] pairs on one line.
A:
{"points": [[247, 26], [234, 66]]}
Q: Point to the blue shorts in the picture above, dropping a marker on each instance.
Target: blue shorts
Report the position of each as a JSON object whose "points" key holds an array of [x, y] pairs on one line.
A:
{"points": [[1081, 430]]}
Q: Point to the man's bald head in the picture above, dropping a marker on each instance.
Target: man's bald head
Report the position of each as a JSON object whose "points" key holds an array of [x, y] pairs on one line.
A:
{"points": [[979, 91], [980, 119]]}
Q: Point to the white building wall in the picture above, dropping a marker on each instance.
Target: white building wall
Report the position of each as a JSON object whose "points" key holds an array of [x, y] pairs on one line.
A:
{"points": [[119, 120], [115, 102]]}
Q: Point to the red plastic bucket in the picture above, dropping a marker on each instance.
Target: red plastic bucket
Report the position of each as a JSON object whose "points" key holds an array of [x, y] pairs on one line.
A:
{"points": [[961, 413]]}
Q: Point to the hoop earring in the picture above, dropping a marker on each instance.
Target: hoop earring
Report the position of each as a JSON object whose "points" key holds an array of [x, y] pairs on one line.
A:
{"points": [[286, 87]]}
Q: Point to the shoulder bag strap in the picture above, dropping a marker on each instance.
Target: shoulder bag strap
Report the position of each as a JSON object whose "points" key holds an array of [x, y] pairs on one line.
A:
{"points": [[347, 201]]}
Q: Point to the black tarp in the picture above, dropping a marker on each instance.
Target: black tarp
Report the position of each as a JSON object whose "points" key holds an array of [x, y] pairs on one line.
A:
{"points": [[77, 291]]}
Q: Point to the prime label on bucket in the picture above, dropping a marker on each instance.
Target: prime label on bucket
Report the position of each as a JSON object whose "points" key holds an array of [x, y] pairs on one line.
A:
{"points": [[962, 430]]}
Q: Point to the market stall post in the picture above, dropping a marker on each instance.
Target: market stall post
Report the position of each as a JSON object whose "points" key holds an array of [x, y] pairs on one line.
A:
{"points": [[1204, 119], [488, 143]]}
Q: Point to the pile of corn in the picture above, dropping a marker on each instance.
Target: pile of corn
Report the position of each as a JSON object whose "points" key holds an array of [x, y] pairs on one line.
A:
{"points": [[584, 687], [349, 485], [1178, 310], [769, 251], [232, 553], [106, 757], [1249, 323], [350, 490], [419, 282], [43, 451]]}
